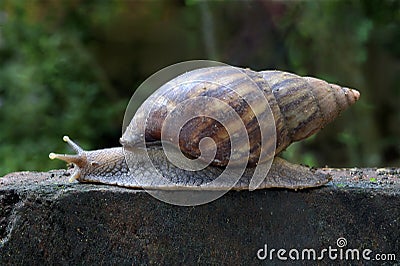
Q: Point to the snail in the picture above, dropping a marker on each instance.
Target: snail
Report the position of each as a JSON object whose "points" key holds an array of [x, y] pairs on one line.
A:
{"points": [[299, 107]]}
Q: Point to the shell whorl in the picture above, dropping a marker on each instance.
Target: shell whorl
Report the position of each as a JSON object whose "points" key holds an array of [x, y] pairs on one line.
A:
{"points": [[306, 104], [300, 107]]}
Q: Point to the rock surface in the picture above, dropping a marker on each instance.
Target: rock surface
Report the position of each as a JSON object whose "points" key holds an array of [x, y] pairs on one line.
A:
{"points": [[46, 219]]}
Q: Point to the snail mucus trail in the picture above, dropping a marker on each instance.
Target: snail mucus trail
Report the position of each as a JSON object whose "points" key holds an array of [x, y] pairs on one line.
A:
{"points": [[300, 106]]}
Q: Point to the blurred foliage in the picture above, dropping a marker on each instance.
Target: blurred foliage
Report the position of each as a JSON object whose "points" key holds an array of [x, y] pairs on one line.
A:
{"points": [[50, 85], [70, 67]]}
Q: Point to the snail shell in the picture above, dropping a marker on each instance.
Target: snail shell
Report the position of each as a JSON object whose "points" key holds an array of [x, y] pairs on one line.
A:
{"points": [[300, 106]]}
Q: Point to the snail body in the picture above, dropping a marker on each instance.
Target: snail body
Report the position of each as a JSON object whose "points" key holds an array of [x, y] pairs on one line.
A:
{"points": [[297, 107]]}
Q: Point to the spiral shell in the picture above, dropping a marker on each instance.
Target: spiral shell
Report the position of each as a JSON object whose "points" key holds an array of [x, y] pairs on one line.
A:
{"points": [[300, 106]]}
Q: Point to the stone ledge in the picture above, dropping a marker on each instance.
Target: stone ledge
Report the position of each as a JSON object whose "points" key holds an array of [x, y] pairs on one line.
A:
{"points": [[45, 219]]}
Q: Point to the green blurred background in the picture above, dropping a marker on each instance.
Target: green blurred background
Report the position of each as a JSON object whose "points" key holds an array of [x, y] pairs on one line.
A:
{"points": [[70, 68]]}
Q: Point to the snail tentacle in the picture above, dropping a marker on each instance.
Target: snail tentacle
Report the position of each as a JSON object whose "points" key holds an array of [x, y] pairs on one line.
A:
{"points": [[78, 159]]}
